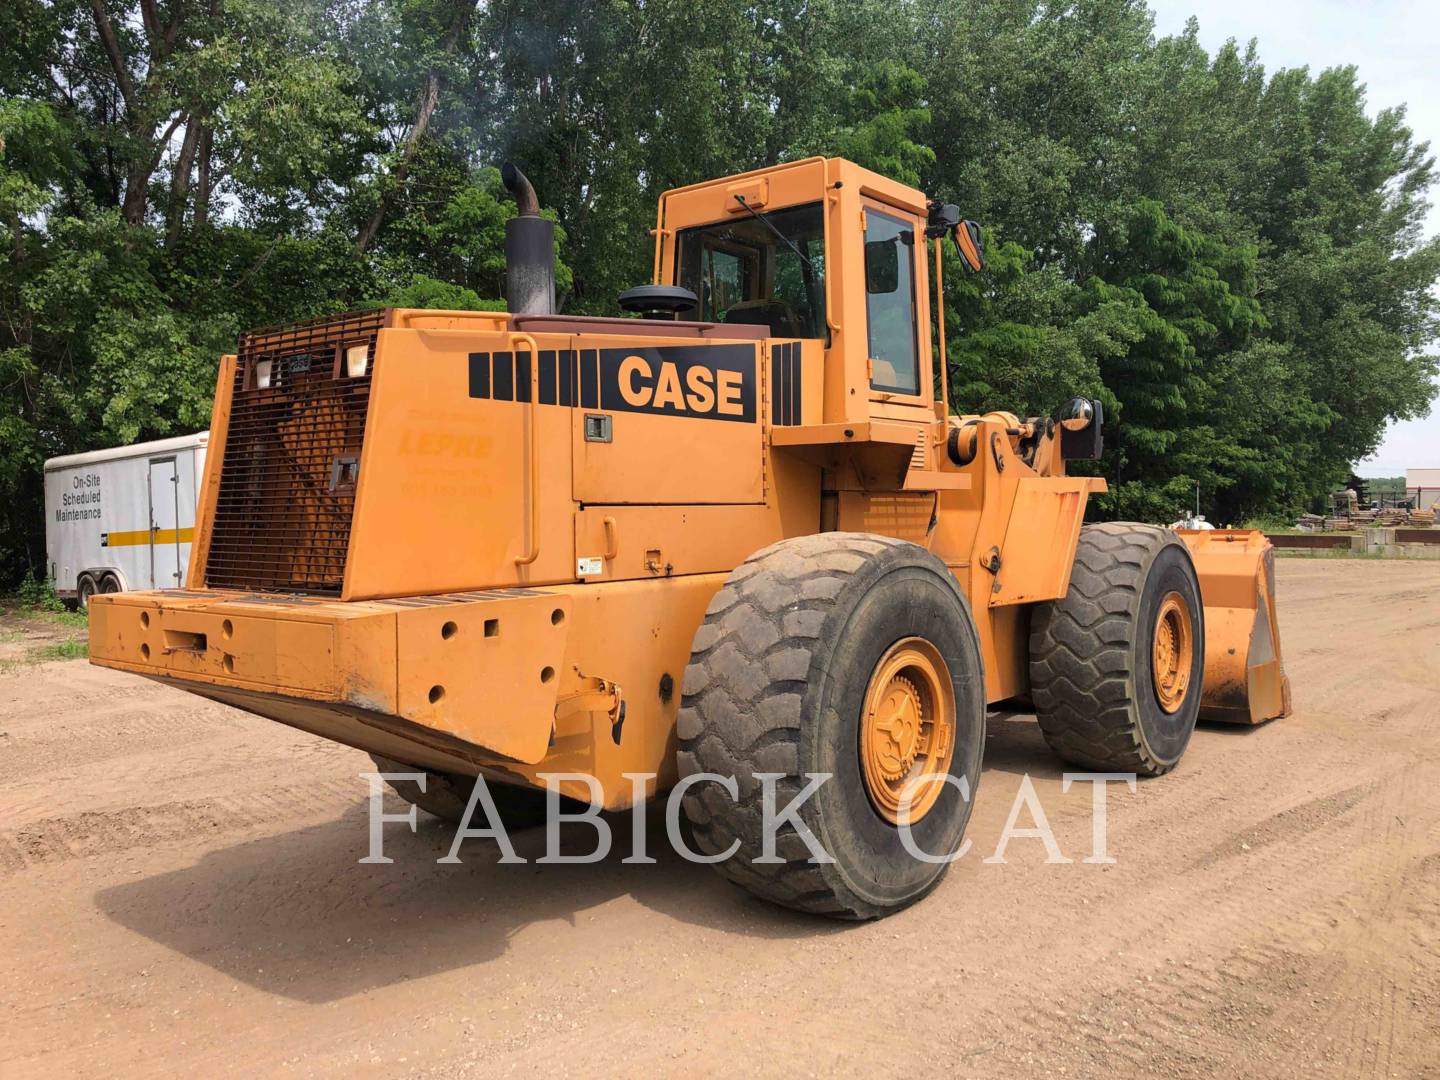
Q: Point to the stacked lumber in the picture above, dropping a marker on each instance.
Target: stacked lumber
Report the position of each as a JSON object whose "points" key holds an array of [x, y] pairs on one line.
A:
{"points": [[1310, 522], [1423, 518], [1339, 524]]}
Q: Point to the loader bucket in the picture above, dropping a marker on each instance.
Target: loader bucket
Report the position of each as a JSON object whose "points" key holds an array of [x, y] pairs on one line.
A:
{"points": [[1245, 679]]}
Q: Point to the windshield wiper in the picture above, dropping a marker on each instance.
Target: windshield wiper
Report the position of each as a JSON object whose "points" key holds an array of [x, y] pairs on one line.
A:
{"points": [[771, 226]]}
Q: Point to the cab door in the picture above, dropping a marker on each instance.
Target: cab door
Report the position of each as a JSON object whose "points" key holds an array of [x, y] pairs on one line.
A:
{"points": [[896, 311]]}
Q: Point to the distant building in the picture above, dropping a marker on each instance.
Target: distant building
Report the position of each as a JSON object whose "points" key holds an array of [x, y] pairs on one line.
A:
{"points": [[1424, 486]]}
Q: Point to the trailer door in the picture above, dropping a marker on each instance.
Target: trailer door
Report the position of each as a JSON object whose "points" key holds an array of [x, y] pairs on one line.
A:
{"points": [[164, 523]]}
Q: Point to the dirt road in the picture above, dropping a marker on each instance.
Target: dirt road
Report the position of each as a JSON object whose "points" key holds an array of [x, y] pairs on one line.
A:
{"points": [[180, 892]]}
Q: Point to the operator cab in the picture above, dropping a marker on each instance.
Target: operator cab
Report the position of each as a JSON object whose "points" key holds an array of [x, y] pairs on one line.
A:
{"points": [[821, 251], [769, 270]]}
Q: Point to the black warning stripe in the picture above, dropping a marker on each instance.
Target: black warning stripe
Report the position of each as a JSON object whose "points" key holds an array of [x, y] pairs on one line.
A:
{"points": [[505, 376], [785, 384], [589, 379]]}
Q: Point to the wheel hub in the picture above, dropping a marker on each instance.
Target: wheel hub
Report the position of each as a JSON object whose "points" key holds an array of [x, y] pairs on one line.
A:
{"points": [[907, 730], [1173, 652], [897, 728]]}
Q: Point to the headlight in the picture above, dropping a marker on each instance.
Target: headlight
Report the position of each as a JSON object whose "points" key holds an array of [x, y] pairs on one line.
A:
{"points": [[263, 368], [357, 359]]}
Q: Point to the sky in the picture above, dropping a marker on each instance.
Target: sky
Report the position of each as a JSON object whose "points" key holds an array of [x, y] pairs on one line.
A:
{"points": [[1395, 44]]}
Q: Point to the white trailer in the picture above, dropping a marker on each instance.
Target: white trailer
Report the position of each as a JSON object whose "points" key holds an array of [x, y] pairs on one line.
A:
{"points": [[122, 519]]}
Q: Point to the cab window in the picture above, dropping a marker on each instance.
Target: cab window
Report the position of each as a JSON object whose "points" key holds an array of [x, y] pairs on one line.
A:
{"points": [[890, 303], [743, 272]]}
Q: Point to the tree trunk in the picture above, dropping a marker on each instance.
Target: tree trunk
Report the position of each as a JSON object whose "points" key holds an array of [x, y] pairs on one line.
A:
{"points": [[180, 183], [137, 177], [141, 167], [424, 110], [202, 181], [132, 208], [17, 238]]}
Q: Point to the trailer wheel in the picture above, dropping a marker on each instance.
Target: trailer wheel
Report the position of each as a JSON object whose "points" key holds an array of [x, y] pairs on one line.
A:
{"points": [[446, 796], [1116, 665], [110, 584], [85, 588], [850, 656]]}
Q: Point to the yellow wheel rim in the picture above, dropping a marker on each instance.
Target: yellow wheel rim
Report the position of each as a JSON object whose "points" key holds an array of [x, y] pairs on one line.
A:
{"points": [[907, 730], [1173, 652]]}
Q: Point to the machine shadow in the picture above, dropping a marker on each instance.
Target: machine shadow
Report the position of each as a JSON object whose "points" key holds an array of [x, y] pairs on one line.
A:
{"points": [[1219, 727], [1014, 745], [297, 914]]}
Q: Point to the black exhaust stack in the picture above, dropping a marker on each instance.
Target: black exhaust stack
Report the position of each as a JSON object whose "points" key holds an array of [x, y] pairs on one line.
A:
{"points": [[529, 250]]}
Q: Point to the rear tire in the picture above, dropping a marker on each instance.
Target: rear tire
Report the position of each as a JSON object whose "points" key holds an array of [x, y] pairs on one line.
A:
{"points": [[85, 588], [110, 584], [446, 795], [782, 680], [1104, 698]]}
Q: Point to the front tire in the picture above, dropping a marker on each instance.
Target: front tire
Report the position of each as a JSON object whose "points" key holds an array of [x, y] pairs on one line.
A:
{"points": [[1116, 665], [831, 654]]}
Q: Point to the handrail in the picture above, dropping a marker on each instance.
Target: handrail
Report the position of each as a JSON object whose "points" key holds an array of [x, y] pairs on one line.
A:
{"points": [[533, 419], [832, 204], [940, 323]]}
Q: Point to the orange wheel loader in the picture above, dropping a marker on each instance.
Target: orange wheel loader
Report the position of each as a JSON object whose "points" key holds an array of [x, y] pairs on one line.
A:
{"points": [[730, 543]]}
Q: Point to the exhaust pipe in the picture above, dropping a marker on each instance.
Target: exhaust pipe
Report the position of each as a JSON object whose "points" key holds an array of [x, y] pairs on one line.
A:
{"points": [[529, 250]]}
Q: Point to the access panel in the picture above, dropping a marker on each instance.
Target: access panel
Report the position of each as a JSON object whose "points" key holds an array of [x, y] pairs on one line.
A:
{"points": [[667, 424]]}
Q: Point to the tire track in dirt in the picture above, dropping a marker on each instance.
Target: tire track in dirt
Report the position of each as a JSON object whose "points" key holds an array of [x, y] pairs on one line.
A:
{"points": [[126, 732], [91, 834], [1202, 953], [1305, 845], [1286, 824], [1380, 988]]}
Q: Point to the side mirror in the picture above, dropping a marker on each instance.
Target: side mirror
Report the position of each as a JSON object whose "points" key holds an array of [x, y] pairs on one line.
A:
{"points": [[1081, 436], [945, 218], [967, 242], [882, 266]]}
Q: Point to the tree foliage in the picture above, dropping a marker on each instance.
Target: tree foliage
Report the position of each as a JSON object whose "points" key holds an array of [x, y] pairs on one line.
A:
{"points": [[1231, 258]]}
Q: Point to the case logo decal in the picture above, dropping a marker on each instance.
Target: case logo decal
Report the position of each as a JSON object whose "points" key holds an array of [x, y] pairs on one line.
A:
{"points": [[705, 382]]}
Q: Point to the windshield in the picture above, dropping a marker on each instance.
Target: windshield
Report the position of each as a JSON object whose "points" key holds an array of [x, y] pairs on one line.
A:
{"points": [[743, 273]]}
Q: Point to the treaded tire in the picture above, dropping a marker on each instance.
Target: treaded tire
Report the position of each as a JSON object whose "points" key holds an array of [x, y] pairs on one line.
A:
{"points": [[776, 684], [446, 796], [1090, 652]]}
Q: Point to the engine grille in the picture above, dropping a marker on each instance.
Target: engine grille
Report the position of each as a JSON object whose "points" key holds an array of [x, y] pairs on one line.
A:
{"points": [[292, 458]]}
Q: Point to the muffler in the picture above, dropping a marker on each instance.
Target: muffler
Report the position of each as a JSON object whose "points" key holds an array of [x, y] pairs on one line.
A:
{"points": [[529, 250]]}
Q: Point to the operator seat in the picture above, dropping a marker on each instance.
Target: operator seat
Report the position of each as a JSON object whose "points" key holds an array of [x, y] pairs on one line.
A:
{"points": [[779, 316]]}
